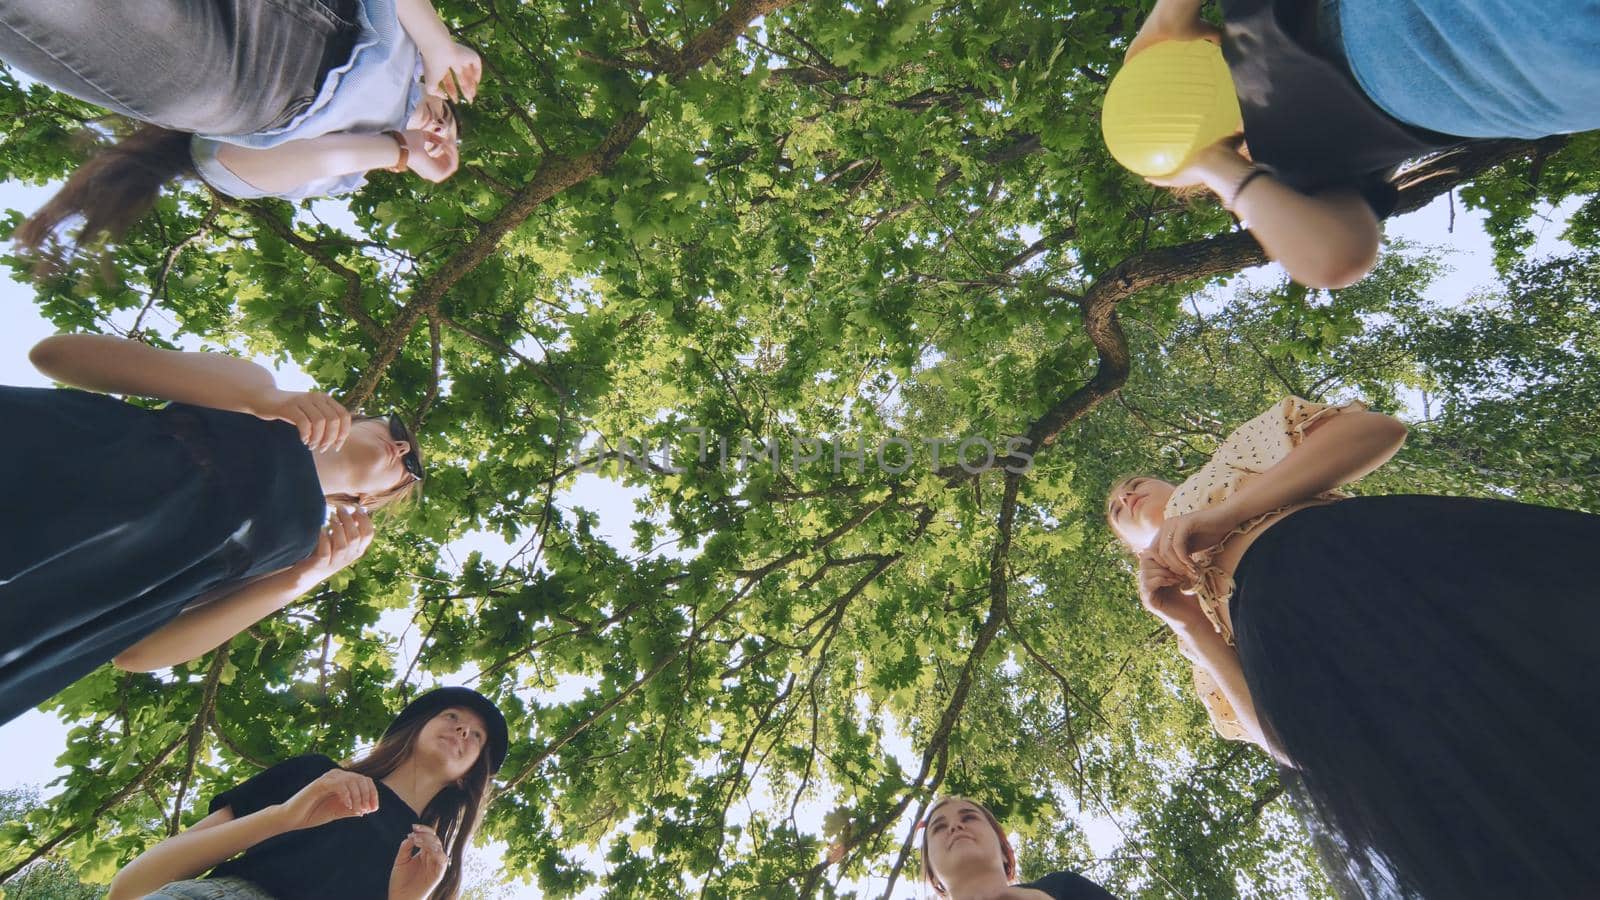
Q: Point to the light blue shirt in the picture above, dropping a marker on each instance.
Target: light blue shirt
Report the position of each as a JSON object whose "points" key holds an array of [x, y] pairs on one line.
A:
{"points": [[375, 91]]}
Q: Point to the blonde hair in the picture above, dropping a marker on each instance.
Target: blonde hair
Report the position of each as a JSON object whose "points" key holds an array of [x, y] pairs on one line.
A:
{"points": [[1008, 856], [404, 492]]}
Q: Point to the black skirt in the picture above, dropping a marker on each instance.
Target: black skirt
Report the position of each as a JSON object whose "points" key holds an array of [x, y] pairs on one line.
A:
{"points": [[1431, 665], [113, 518]]}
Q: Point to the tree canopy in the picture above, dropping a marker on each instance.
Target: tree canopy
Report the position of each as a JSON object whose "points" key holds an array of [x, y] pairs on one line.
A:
{"points": [[815, 227]]}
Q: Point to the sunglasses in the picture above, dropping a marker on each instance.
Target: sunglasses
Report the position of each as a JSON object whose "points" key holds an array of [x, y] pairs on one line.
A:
{"points": [[412, 460]]}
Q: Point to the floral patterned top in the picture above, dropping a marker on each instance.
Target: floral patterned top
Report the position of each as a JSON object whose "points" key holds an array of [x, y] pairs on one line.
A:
{"points": [[1253, 448]]}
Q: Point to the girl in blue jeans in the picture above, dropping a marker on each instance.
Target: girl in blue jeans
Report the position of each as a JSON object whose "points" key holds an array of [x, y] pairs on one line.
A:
{"points": [[1337, 94], [279, 98]]}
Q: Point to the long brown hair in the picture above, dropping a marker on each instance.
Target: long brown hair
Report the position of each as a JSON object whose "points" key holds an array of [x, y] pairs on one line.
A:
{"points": [[454, 812], [114, 189], [1008, 855]]}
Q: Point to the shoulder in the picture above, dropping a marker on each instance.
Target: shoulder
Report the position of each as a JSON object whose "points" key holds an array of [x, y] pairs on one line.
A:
{"points": [[1068, 886], [303, 769]]}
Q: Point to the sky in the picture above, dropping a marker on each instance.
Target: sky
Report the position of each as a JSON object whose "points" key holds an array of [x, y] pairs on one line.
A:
{"points": [[31, 743]]}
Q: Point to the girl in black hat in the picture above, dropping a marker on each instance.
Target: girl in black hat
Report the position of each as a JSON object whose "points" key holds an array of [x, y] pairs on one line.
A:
{"points": [[150, 536], [391, 825]]}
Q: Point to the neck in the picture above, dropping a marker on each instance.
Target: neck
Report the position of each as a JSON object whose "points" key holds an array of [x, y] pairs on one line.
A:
{"points": [[415, 784], [984, 883], [333, 473]]}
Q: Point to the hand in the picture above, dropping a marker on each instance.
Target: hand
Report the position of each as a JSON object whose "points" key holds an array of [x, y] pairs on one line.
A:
{"points": [[1218, 167], [1162, 27], [337, 794], [1161, 593], [419, 865], [453, 72], [1181, 537], [431, 158], [324, 423], [346, 537]]}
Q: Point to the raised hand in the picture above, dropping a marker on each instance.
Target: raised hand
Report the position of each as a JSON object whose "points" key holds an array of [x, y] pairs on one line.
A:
{"points": [[1164, 24], [452, 71], [432, 158], [337, 794], [1161, 593], [343, 540], [1181, 537], [323, 422], [418, 866]]}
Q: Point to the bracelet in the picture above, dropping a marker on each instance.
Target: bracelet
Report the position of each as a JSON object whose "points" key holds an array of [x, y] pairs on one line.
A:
{"points": [[1255, 172], [405, 152]]}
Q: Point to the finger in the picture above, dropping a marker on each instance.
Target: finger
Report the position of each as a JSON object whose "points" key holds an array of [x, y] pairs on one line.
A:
{"points": [[319, 426], [407, 849], [302, 422], [331, 415], [345, 422], [369, 795]]}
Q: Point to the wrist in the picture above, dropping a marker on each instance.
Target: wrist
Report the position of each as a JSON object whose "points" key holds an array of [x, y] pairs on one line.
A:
{"points": [[1222, 169]]}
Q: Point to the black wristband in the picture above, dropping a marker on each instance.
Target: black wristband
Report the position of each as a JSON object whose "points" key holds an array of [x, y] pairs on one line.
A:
{"points": [[1255, 172]]}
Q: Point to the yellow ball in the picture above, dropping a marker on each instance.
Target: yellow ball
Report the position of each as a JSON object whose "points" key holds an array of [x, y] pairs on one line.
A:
{"points": [[1167, 103]]}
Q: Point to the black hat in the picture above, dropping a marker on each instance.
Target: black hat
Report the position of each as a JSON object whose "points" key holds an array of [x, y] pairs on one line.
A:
{"points": [[439, 699]]}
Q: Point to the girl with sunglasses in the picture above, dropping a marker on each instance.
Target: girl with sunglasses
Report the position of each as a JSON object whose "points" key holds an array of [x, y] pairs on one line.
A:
{"points": [[392, 825], [291, 98], [148, 537], [1422, 666], [967, 856]]}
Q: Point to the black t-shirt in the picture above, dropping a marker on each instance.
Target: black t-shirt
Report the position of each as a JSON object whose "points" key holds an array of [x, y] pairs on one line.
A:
{"points": [[1069, 886], [347, 859], [1305, 115]]}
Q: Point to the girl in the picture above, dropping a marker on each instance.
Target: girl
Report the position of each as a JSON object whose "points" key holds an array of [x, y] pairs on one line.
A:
{"points": [[292, 99], [152, 536], [967, 856], [1423, 664], [1336, 94], [391, 826]]}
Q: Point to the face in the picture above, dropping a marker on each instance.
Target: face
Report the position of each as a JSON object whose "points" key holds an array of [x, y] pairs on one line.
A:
{"points": [[375, 458], [961, 840], [1136, 509], [435, 116], [453, 739]]}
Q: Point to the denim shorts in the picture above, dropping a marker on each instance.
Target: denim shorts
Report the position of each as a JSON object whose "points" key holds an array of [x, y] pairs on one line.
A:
{"points": [[1476, 68], [210, 889], [203, 66]]}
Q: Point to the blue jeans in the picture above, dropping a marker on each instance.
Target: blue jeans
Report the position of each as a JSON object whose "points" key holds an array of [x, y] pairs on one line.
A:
{"points": [[210, 889], [204, 66], [1478, 68]]}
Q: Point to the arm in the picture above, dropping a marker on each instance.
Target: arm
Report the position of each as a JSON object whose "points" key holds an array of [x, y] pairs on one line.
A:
{"points": [[1325, 241], [281, 169], [336, 794], [1161, 595], [100, 362], [1336, 450], [213, 840], [1207, 650], [449, 69], [204, 626]]}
